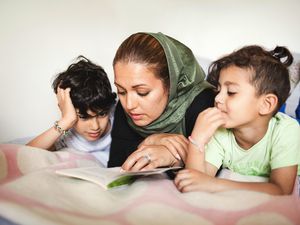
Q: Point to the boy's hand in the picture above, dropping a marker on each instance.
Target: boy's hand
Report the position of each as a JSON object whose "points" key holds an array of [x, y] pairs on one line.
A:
{"points": [[68, 112], [192, 180], [206, 125]]}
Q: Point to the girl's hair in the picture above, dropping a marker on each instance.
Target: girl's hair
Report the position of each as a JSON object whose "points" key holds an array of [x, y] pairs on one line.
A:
{"points": [[144, 49], [269, 69], [90, 87]]}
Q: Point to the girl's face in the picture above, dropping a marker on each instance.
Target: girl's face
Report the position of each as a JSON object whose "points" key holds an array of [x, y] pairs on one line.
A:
{"points": [[141, 93], [93, 127], [237, 97]]}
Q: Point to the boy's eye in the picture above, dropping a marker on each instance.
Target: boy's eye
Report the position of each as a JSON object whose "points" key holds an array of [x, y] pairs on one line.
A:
{"points": [[230, 93], [120, 92], [82, 117], [102, 114]]}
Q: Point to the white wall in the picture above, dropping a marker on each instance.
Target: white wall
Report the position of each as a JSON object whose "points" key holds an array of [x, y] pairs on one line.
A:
{"points": [[39, 38]]}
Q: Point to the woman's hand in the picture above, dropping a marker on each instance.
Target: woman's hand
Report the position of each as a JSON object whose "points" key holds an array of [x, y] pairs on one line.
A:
{"points": [[68, 112], [177, 144], [148, 157]]}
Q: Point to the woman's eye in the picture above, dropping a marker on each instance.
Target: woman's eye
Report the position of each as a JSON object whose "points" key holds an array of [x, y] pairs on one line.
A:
{"points": [[143, 93]]}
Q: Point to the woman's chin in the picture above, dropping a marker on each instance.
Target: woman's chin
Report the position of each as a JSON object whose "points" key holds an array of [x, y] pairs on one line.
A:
{"points": [[140, 123]]}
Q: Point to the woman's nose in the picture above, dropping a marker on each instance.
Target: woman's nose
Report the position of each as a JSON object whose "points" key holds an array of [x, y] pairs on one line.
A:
{"points": [[130, 102]]}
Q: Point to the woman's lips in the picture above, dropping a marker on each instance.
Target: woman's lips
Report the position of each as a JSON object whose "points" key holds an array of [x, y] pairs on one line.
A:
{"points": [[135, 116]]}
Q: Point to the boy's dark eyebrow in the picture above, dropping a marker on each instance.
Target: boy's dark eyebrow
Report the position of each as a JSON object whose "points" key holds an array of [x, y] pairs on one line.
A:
{"points": [[90, 116]]}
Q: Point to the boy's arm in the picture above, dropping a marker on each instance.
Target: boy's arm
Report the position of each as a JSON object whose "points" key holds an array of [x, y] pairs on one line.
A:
{"points": [[47, 139], [281, 182], [206, 125]]}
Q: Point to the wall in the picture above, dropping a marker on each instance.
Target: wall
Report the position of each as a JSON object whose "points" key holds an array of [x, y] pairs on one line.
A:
{"points": [[40, 38]]}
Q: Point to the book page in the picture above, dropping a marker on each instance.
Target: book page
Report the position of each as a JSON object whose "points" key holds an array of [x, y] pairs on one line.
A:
{"points": [[109, 177]]}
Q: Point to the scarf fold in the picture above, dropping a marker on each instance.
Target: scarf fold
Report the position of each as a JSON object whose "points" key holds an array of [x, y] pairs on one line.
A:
{"points": [[187, 80]]}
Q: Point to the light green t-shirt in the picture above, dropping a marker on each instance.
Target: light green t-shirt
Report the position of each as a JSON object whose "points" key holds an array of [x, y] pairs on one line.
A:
{"points": [[280, 147]]}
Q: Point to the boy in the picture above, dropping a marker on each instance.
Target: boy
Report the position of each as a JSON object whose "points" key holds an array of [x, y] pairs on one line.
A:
{"points": [[86, 102], [252, 140]]}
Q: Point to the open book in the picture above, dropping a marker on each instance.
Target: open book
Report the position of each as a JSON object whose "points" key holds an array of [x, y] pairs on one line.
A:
{"points": [[109, 177]]}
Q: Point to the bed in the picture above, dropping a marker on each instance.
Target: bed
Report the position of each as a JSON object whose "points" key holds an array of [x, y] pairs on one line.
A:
{"points": [[32, 193]]}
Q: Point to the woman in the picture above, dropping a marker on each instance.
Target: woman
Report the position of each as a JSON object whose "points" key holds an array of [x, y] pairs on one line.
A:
{"points": [[162, 90]]}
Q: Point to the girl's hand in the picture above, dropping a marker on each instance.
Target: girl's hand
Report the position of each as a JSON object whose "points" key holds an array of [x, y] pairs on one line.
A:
{"points": [[68, 112], [192, 180], [206, 125], [150, 157], [177, 144]]}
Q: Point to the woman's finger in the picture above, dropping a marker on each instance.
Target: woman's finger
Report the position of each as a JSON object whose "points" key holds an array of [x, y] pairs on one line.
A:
{"points": [[141, 163], [130, 161], [177, 148]]}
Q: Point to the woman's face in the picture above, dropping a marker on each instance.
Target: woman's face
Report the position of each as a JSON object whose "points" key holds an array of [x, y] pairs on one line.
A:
{"points": [[142, 95]]}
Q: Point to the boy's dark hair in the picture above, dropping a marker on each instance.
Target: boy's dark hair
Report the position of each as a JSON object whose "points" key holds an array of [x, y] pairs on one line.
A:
{"points": [[269, 69], [90, 87]]}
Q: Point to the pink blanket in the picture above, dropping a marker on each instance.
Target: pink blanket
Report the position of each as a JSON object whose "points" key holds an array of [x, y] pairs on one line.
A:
{"points": [[31, 193]]}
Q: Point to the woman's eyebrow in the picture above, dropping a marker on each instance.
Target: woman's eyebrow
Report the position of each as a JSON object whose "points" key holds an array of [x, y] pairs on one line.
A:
{"points": [[134, 86]]}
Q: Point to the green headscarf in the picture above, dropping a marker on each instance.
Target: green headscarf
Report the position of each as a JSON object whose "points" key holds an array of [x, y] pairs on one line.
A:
{"points": [[186, 82]]}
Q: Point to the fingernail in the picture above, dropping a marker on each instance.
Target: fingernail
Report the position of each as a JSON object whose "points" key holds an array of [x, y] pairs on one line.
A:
{"points": [[177, 156], [121, 170]]}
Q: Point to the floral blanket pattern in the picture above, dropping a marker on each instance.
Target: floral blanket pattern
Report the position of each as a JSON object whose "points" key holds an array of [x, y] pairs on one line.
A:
{"points": [[32, 193]]}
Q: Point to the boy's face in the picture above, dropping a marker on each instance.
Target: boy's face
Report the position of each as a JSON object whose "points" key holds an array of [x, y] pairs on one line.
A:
{"points": [[237, 98], [93, 127]]}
